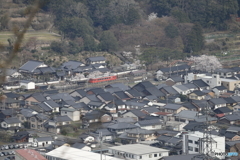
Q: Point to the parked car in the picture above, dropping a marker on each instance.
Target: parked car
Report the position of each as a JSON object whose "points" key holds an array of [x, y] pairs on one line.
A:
{"points": [[5, 146], [1, 154], [20, 145], [10, 146], [16, 146], [12, 152]]}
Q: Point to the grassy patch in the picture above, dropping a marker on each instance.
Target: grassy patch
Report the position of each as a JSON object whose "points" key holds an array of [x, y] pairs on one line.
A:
{"points": [[40, 35]]}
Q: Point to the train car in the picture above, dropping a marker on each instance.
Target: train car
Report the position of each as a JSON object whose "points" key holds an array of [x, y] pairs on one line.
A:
{"points": [[102, 79]]}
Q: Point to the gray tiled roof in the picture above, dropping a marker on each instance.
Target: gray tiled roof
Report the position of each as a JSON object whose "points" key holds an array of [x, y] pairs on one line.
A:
{"points": [[121, 95], [217, 101], [71, 65], [138, 113], [12, 120], [150, 122], [94, 59], [151, 109], [187, 114], [172, 106], [122, 125], [233, 128], [30, 66], [140, 131], [119, 85], [177, 78], [200, 83], [28, 112], [62, 96], [106, 96], [133, 93], [62, 119], [44, 139]]}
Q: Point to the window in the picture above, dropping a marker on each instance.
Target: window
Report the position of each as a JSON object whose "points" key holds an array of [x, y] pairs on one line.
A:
{"points": [[196, 149], [160, 155], [196, 142], [155, 155], [33, 119], [150, 155], [190, 148], [190, 141], [140, 157], [33, 126]]}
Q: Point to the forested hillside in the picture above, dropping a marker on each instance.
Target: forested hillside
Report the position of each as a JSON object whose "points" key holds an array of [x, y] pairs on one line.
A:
{"points": [[114, 26]]}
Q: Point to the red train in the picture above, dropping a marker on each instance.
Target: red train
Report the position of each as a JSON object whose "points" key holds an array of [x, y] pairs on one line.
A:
{"points": [[102, 79]]}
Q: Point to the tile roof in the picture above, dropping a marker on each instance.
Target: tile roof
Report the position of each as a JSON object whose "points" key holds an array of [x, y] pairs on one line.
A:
{"points": [[94, 59], [71, 65], [150, 122], [31, 65], [121, 95], [12, 120], [172, 106], [121, 86], [106, 96], [217, 101], [200, 83], [122, 125], [133, 93], [43, 139], [176, 78]]}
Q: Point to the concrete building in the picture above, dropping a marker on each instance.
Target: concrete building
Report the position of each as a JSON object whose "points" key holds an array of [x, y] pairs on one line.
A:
{"points": [[212, 80], [65, 152], [138, 152], [230, 84], [194, 143]]}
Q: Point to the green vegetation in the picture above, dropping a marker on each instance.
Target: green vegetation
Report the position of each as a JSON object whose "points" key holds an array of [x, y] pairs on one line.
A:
{"points": [[89, 26]]}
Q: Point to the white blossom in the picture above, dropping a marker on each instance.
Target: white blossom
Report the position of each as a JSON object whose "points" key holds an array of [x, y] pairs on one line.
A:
{"points": [[152, 16], [206, 63]]}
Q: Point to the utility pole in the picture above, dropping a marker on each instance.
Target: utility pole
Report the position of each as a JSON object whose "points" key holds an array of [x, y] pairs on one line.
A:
{"points": [[100, 138]]}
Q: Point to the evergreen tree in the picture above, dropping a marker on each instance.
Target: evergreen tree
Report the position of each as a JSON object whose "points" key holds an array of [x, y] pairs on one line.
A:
{"points": [[108, 42], [195, 39], [171, 31]]}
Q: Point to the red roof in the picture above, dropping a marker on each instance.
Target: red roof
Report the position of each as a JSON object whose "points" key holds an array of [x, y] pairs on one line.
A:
{"points": [[29, 154], [162, 113], [220, 115]]}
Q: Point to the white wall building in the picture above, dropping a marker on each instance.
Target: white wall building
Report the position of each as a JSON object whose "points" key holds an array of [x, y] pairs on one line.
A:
{"points": [[27, 84], [194, 143], [138, 152], [212, 81], [65, 152], [71, 113]]}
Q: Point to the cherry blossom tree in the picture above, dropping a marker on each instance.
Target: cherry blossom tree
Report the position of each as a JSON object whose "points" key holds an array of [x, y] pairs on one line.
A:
{"points": [[206, 63]]}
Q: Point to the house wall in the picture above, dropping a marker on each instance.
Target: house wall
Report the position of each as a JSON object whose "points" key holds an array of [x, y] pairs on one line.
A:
{"points": [[194, 96], [230, 85], [44, 143], [150, 127], [31, 101], [30, 85], [189, 147], [130, 114], [6, 125], [106, 118]]}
